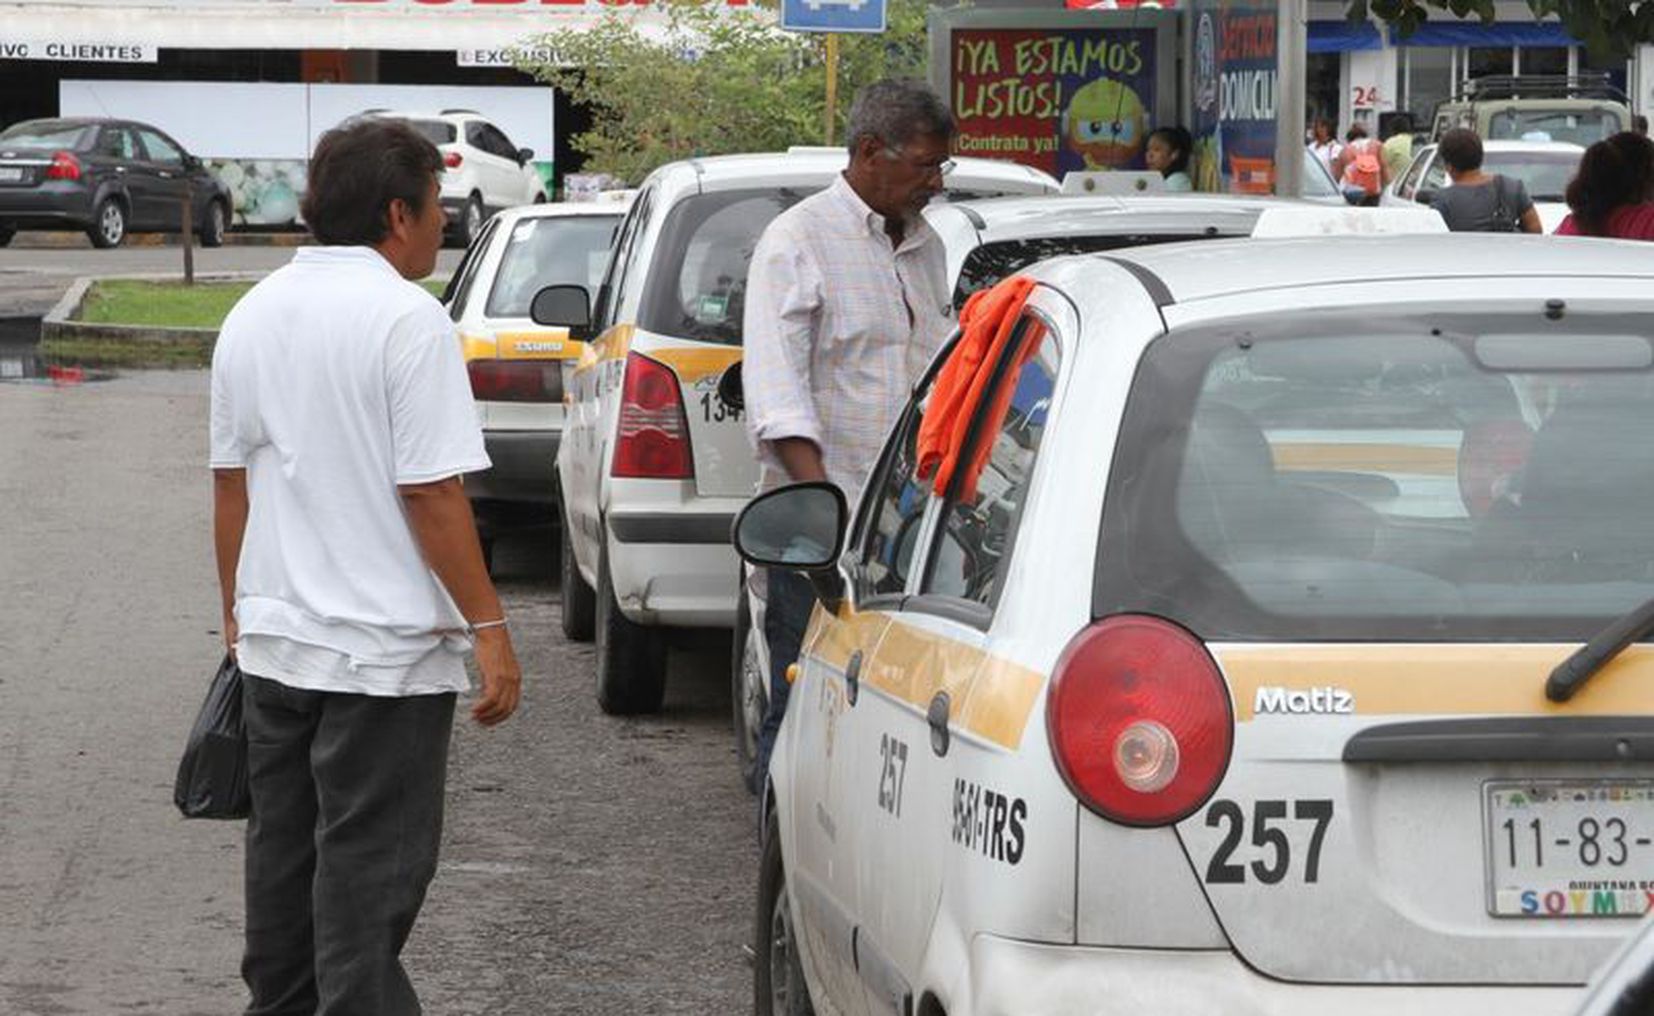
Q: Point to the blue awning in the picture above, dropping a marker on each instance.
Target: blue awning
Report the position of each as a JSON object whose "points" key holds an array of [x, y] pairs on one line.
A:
{"points": [[1474, 33], [1343, 36]]}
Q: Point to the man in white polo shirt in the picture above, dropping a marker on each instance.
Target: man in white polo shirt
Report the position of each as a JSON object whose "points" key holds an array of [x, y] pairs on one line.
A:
{"points": [[352, 579]]}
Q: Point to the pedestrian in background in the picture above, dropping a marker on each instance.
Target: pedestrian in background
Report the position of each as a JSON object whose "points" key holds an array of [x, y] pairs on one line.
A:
{"points": [[351, 575], [1639, 124], [1323, 144], [1361, 173], [1398, 144], [1612, 195], [1479, 202], [847, 301], [1167, 153]]}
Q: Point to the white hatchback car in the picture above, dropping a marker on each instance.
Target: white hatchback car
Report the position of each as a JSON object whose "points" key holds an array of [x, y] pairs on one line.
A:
{"points": [[655, 462], [1236, 666], [519, 370], [483, 171], [1544, 167]]}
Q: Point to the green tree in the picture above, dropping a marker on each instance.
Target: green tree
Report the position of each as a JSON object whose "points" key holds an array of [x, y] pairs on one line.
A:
{"points": [[716, 81], [1610, 29]]}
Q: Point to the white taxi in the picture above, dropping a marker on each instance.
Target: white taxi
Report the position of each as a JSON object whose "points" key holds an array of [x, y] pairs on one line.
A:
{"points": [[517, 368], [1262, 636], [986, 240], [654, 462]]}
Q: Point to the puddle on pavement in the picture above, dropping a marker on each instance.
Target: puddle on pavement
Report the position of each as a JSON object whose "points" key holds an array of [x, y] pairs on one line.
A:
{"points": [[21, 362]]}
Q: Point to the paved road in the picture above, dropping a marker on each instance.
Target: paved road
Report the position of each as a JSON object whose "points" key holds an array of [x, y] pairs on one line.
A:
{"points": [[591, 865], [33, 279]]}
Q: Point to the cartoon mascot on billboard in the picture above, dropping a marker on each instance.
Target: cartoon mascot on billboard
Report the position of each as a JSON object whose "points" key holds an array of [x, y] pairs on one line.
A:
{"points": [[1105, 124]]}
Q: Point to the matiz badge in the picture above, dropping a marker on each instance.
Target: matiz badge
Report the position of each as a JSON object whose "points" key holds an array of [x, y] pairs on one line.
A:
{"points": [[1303, 701]]}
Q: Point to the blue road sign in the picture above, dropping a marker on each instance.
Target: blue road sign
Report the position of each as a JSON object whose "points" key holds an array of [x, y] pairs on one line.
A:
{"points": [[832, 15]]}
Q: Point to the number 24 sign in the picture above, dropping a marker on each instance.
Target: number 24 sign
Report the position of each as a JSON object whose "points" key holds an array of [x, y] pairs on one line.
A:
{"points": [[1366, 97]]}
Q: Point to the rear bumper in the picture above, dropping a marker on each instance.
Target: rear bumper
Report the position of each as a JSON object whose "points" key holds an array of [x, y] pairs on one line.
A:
{"points": [[674, 571], [1009, 977], [524, 469], [55, 203]]}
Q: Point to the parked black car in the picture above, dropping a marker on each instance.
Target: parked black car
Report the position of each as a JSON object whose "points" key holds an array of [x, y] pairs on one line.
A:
{"points": [[106, 177]]}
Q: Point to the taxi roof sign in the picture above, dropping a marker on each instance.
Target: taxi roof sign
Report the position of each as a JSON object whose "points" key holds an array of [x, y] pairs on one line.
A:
{"points": [[1319, 220]]}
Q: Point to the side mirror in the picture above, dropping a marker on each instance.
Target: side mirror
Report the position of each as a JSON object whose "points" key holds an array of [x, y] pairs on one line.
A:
{"points": [[800, 526], [565, 306], [524, 154], [192, 162]]}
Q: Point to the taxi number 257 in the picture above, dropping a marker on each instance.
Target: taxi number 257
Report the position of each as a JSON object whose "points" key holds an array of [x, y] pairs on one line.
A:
{"points": [[1272, 849]]}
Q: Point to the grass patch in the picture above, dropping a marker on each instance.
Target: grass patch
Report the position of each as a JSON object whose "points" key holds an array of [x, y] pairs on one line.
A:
{"points": [[172, 304]]}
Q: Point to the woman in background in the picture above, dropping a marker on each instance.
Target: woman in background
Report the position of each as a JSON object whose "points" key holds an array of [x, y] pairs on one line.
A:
{"points": [[1167, 153], [1611, 194]]}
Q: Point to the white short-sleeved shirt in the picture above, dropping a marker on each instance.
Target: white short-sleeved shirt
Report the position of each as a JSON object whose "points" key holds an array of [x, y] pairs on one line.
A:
{"points": [[333, 381]]}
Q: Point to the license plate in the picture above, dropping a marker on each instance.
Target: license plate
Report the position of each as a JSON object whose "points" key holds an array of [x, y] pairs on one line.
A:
{"points": [[1569, 848], [10, 174]]}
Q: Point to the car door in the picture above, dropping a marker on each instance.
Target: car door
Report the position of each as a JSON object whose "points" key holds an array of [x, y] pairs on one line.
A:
{"points": [[602, 363], [934, 784], [165, 182], [524, 181], [495, 173], [827, 770], [113, 157]]}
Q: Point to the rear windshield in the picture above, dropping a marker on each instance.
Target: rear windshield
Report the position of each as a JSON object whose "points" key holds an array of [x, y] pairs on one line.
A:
{"points": [[47, 134], [437, 132], [988, 264], [698, 281], [1582, 127], [1544, 174], [1378, 477], [540, 252]]}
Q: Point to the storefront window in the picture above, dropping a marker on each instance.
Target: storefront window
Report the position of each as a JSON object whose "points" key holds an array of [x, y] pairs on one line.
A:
{"points": [[1429, 80], [1323, 72], [1545, 60], [1485, 60]]}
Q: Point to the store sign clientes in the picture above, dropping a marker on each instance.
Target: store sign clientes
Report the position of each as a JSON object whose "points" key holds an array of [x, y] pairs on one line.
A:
{"points": [[86, 51]]}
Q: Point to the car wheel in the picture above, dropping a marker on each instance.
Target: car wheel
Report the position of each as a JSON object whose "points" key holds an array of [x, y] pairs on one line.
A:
{"points": [[108, 224], [778, 987], [471, 220], [6, 234], [631, 659], [749, 685], [212, 228], [579, 602]]}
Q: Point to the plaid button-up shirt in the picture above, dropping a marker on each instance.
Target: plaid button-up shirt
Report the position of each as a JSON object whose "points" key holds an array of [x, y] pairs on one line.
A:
{"points": [[840, 324]]}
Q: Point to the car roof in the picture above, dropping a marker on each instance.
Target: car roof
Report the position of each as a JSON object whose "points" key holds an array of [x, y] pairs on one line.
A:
{"points": [[806, 164], [1010, 218], [562, 209], [1185, 272], [1514, 145]]}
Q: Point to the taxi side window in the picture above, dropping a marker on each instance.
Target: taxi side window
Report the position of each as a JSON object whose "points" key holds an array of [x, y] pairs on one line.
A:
{"points": [[465, 276], [895, 508], [612, 293], [1435, 178], [973, 550], [1410, 182]]}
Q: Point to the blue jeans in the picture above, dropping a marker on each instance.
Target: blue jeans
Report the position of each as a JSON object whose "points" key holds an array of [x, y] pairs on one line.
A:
{"points": [[786, 615]]}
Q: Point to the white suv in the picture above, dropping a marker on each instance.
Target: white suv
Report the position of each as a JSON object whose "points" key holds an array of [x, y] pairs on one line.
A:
{"points": [[654, 461], [483, 171]]}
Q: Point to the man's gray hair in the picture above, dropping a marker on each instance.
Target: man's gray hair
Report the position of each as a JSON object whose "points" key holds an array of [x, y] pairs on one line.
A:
{"points": [[897, 110]]}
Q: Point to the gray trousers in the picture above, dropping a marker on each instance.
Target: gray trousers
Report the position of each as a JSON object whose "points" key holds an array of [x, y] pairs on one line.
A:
{"points": [[347, 819]]}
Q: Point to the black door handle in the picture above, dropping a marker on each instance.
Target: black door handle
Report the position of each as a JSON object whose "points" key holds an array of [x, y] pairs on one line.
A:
{"points": [[937, 716], [852, 677]]}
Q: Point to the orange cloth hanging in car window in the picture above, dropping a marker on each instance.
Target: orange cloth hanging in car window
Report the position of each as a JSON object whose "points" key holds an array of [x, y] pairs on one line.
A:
{"points": [[988, 321]]}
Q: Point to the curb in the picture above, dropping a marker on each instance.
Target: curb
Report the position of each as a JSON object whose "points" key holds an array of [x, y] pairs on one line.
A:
{"points": [[65, 240]]}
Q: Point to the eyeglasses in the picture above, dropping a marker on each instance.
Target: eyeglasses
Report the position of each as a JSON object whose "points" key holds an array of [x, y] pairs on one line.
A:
{"points": [[942, 168]]}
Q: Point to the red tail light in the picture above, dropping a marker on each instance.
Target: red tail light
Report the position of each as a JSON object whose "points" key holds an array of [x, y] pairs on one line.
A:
{"points": [[516, 380], [653, 435], [64, 167], [452, 159], [1140, 720]]}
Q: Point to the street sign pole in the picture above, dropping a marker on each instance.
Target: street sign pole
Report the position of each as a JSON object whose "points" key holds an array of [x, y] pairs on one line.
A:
{"points": [[832, 86]]}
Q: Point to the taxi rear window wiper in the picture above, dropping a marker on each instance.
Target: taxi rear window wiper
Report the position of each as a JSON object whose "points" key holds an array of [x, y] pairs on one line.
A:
{"points": [[1571, 674]]}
